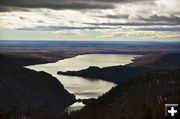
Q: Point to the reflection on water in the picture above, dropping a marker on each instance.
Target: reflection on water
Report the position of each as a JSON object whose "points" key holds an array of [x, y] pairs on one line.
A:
{"points": [[75, 106], [84, 88]]}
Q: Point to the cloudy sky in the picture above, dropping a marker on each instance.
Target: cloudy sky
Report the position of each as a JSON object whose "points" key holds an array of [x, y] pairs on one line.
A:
{"points": [[102, 20]]}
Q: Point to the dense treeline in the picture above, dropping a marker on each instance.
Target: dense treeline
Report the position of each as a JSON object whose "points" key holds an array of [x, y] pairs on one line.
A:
{"points": [[140, 94], [141, 98], [23, 89]]}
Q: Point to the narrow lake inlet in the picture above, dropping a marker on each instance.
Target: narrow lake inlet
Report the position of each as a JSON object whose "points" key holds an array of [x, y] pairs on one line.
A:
{"points": [[84, 88]]}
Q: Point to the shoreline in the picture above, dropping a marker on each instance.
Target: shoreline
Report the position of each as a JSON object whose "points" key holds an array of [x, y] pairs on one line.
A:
{"points": [[38, 57], [87, 100], [75, 55]]}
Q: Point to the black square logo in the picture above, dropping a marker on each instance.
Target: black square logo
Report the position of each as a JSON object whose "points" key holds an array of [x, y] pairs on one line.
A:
{"points": [[172, 111]]}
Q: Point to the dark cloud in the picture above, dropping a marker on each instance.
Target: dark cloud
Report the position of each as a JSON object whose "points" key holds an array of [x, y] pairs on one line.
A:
{"points": [[132, 24], [4, 9], [163, 19], [176, 29], [64, 4], [57, 4], [122, 16], [65, 28], [12, 8], [154, 20], [76, 27]]}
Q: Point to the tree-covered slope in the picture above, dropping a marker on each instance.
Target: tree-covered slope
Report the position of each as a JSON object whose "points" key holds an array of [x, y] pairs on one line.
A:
{"points": [[140, 98], [21, 88]]}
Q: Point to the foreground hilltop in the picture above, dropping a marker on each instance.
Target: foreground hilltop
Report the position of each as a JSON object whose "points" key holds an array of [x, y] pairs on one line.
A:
{"points": [[23, 88]]}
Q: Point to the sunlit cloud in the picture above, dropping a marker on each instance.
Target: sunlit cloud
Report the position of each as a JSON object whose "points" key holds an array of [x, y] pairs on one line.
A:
{"points": [[93, 19]]}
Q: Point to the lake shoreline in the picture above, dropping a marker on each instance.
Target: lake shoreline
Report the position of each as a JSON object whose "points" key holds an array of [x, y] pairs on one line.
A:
{"points": [[86, 88], [24, 59]]}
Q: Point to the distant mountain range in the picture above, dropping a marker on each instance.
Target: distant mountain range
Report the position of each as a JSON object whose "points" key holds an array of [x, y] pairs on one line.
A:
{"points": [[22, 88]]}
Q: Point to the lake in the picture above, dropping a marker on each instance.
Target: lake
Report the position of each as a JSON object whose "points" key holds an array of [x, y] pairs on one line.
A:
{"points": [[84, 88]]}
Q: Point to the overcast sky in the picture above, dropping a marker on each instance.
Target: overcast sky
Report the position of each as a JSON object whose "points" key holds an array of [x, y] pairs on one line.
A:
{"points": [[117, 20]]}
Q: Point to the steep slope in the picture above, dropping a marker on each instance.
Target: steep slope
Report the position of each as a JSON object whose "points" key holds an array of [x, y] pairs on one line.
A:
{"points": [[171, 60], [22, 88], [168, 61], [140, 98]]}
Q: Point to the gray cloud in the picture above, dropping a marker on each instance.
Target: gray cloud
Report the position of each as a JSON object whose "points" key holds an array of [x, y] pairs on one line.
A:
{"points": [[64, 4], [177, 29], [164, 19], [132, 24], [65, 28], [121, 16], [154, 20], [12, 8], [120, 13], [4, 9], [56, 4]]}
